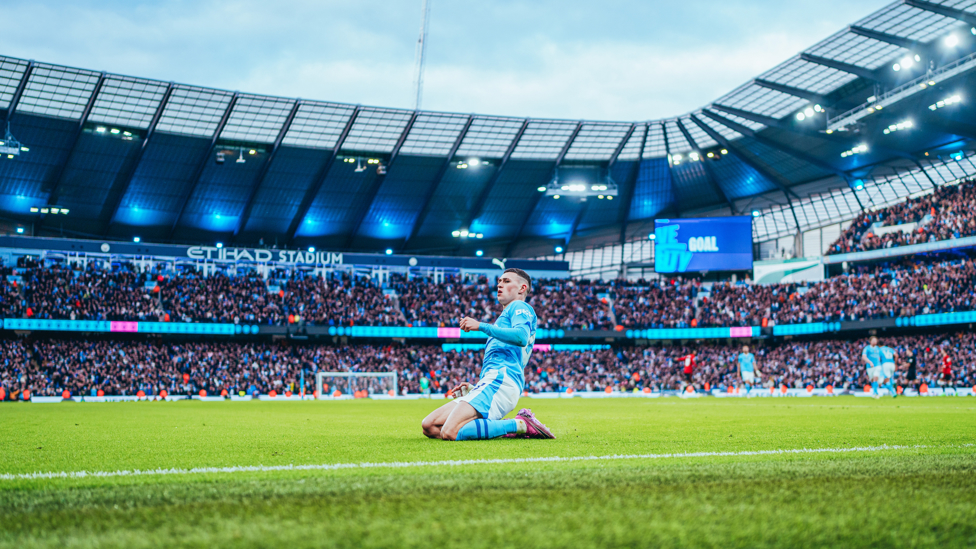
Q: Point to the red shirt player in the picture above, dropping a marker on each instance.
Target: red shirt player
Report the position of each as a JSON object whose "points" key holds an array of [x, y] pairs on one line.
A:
{"points": [[946, 367], [689, 369]]}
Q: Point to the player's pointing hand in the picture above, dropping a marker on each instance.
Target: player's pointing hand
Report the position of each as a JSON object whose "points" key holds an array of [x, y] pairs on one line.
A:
{"points": [[469, 324]]}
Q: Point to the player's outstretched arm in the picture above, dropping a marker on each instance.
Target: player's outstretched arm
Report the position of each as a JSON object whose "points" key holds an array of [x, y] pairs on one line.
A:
{"points": [[516, 335]]}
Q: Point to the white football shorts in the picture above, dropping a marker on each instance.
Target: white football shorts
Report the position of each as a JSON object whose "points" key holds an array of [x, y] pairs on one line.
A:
{"points": [[495, 395]]}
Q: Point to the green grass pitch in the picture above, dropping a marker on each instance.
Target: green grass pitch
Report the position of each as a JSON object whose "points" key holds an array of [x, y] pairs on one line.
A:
{"points": [[922, 493]]}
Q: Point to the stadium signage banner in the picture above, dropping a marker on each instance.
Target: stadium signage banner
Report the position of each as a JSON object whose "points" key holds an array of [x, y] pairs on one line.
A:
{"points": [[703, 244], [964, 242], [264, 256]]}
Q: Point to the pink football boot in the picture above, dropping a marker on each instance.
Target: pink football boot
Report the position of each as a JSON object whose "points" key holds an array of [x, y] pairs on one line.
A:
{"points": [[533, 427]]}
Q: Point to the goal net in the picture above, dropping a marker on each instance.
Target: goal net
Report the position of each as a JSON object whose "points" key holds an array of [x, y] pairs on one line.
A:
{"points": [[356, 383]]}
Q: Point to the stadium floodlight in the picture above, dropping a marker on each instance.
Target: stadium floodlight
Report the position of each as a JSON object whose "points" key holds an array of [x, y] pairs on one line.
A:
{"points": [[474, 162], [455, 234], [311, 249], [479, 253], [556, 196], [220, 244], [724, 151], [800, 116], [651, 236], [559, 249], [899, 126], [808, 111], [9, 144], [582, 181], [35, 210], [389, 251], [136, 239], [756, 213], [479, 235], [115, 131], [951, 41], [20, 230], [541, 189]]}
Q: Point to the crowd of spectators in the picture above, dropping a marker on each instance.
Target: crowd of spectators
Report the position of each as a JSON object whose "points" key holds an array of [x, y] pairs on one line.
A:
{"points": [[948, 212], [904, 288], [85, 367], [337, 298]]}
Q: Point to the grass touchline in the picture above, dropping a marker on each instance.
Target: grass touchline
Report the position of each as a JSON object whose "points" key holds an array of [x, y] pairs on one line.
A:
{"points": [[452, 463]]}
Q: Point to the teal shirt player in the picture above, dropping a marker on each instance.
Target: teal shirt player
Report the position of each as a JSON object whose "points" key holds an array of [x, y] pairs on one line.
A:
{"points": [[747, 362], [873, 354], [887, 355], [511, 358]]}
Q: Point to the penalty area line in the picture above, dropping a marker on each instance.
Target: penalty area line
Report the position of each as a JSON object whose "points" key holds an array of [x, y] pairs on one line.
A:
{"points": [[443, 463]]}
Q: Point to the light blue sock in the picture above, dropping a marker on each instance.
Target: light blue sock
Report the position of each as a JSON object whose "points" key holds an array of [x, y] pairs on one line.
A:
{"points": [[481, 429], [890, 387], [748, 388], [874, 387]]}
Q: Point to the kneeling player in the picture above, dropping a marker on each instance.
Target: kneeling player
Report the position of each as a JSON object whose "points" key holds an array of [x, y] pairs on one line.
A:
{"points": [[478, 413]]}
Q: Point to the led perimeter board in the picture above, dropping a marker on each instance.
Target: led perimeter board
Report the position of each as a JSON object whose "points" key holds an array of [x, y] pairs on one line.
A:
{"points": [[703, 244]]}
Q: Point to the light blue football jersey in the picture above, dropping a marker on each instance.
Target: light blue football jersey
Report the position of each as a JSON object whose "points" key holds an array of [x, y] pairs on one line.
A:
{"points": [[873, 354], [887, 355], [511, 358], [747, 362]]}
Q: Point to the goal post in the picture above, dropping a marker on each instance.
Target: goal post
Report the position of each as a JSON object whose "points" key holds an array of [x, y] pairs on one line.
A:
{"points": [[350, 383]]}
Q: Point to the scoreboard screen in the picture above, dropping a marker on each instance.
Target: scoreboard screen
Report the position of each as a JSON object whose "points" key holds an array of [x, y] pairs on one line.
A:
{"points": [[703, 244]]}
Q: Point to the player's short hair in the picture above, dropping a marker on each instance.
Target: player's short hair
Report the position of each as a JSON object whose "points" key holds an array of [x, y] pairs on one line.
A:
{"points": [[525, 276]]}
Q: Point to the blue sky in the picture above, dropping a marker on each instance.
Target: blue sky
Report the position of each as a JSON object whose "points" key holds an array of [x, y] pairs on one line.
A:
{"points": [[609, 60]]}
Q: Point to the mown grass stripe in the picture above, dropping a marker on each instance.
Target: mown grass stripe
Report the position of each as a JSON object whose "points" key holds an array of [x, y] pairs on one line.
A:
{"points": [[448, 463]]}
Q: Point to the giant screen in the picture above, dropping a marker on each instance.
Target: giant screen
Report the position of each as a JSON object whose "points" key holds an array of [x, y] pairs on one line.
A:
{"points": [[703, 244]]}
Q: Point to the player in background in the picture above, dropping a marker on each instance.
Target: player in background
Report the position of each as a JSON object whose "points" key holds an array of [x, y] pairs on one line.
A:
{"points": [[945, 378], [425, 386], [911, 370], [689, 371], [747, 369], [888, 359], [477, 413], [871, 356]]}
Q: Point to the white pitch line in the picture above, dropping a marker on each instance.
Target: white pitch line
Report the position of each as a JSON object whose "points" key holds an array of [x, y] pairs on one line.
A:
{"points": [[449, 463]]}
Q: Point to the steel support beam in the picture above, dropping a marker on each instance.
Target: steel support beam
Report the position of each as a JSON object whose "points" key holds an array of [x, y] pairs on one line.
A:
{"points": [[709, 176], [419, 220], [263, 172], [867, 74], [479, 203], [124, 178], [534, 201], [764, 171], [201, 165], [953, 13], [52, 197], [799, 155], [620, 146], [316, 186], [810, 96], [627, 200], [926, 174], [378, 183], [899, 41], [19, 92]]}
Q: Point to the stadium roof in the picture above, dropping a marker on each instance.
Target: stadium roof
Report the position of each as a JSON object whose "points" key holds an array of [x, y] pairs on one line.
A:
{"points": [[130, 156]]}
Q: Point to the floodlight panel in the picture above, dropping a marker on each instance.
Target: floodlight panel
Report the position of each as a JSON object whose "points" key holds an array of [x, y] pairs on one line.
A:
{"points": [[128, 102], [631, 149], [56, 91], [808, 76], [910, 22], [257, 118], [194, 111], [433, 134], [597, 141], [655, 146], [677, 144], [377, 130], [698, 135], [763, 101], [490, 137], [544, 139], [11, 72], [318, 125], [853, 49]]}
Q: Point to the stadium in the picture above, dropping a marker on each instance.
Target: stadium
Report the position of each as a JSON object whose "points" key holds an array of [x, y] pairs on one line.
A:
{"points": [[238, 319]]}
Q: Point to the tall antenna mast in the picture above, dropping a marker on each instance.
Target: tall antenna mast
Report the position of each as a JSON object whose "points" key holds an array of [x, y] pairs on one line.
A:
{"points": [[422, 51]]}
